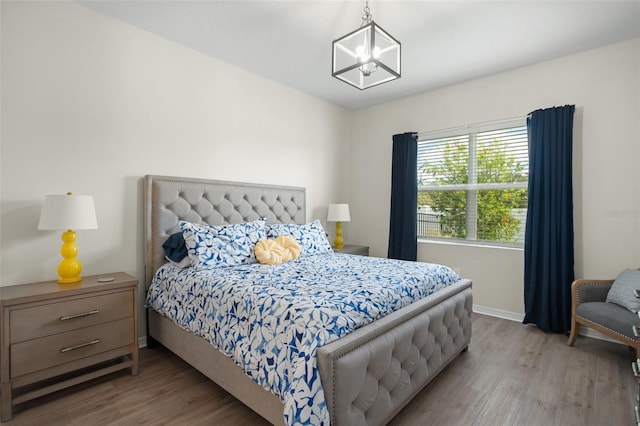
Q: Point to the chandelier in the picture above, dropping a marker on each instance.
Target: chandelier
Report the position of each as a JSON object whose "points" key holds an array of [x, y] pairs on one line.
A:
{"points": [[367, 56]]}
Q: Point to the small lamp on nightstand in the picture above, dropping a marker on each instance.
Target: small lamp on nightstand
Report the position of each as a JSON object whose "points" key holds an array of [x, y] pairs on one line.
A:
{"points": [[68, 212], [338, 213]]}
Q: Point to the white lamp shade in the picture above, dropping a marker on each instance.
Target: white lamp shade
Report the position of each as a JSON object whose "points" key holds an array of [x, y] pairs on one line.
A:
{"points": [[338, 213], [68, 212]]}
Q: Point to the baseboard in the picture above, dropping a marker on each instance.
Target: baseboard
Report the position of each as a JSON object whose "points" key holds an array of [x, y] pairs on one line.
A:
{"points": [[498, 313], [142, 342], [588, 332], [513, 316]]}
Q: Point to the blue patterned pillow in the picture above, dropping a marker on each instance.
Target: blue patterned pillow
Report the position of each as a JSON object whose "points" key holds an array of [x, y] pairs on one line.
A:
{"points": [[311, 237], [226, 245]]}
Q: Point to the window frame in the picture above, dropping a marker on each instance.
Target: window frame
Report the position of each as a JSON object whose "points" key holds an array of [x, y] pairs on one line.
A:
{"points": [[470, 131]]}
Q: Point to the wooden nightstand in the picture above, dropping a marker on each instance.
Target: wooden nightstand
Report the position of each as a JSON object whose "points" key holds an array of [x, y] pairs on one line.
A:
{"points": [[58, 335], [351, 249]]}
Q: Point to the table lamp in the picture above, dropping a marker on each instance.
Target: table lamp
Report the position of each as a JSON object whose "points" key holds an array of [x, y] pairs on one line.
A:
{"points": [[68, 212], [338, 213]]}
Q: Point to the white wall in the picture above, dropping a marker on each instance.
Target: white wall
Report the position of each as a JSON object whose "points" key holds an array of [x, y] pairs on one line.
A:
{"points": [[604, 86], [90, 105]]}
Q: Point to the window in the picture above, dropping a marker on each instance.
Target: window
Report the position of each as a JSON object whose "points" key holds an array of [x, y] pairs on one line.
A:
{"points": [[472, 184]]}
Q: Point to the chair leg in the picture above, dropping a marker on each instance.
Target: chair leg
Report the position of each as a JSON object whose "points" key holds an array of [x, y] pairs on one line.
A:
{"points": [[575, 329]]}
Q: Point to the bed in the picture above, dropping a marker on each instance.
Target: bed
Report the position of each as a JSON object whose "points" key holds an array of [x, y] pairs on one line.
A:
{"points": [[368, 375]]}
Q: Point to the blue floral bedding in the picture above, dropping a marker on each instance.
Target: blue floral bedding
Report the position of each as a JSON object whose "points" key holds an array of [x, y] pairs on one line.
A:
{"points": [[271, 318]]}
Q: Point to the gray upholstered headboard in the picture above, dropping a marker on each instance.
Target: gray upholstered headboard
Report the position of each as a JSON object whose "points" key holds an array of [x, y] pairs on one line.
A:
{"points": [[170, 199]]}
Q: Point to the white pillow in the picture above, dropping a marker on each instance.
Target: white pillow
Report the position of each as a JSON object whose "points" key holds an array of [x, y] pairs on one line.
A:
{"points": [[622, 290]]}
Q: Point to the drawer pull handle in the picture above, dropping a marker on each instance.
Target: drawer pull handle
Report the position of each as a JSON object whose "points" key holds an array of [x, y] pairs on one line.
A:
{"points": [[84, 314], [83, 345]]}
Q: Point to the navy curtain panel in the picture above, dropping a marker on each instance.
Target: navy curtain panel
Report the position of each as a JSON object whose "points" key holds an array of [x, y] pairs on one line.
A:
{"points": [[548, 241], [403, 232]]}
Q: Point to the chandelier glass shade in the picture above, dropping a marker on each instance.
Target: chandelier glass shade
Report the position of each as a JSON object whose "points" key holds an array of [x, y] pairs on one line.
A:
{"points": [[367, 56]]}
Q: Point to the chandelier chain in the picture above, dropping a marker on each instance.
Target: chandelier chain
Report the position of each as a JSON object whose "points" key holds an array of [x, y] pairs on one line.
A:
{"points": [[366, 17]]}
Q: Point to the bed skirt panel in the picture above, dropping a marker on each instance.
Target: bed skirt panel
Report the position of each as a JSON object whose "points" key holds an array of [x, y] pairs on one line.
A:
{"points": [[215, 365]]}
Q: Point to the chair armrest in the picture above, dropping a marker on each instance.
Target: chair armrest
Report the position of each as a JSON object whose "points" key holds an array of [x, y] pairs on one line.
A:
{"points": [[587, 290]]}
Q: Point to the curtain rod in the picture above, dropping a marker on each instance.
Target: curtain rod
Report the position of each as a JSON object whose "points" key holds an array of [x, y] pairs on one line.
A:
{"points": [[468, 126]]}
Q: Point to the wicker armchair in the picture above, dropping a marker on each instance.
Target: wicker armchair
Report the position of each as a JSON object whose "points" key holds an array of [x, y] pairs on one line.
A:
{"points": [[589, 308]]}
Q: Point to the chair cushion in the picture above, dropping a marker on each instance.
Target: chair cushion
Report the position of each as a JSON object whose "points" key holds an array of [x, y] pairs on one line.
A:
{"points": [[621, 292], [609, 315]]}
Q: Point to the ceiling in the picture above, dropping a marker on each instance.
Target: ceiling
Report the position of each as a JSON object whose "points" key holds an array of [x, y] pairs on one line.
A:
{"points": [[443, 42]]}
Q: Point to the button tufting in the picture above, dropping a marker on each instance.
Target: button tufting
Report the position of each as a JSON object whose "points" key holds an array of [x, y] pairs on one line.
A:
{"points": [[419, 348]]}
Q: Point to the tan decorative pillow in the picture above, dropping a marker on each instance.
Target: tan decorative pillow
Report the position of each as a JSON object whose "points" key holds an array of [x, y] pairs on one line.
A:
{"points": [[291, 247], [278, 250]]}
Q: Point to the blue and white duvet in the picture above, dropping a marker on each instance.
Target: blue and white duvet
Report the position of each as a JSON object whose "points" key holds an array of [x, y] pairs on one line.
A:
{"points": [[271, 318]]}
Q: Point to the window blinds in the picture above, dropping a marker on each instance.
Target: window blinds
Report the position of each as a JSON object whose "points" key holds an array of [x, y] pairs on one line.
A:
{"points": [[494, 159]]}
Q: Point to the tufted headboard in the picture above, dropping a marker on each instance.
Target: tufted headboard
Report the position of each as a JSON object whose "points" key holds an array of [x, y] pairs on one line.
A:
{"points": [[170, 199]]}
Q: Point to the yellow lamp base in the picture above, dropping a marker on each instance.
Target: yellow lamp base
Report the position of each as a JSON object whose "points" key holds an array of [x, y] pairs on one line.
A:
{"points": [[337, 242], [70, 280], [70, 267]]}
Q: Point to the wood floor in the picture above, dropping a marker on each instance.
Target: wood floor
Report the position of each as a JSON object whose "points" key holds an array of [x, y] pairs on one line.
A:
{"points": [[512, 375]]}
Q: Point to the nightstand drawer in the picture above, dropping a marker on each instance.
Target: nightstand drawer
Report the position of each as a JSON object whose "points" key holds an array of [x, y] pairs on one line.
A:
{"points": [[46, 352], [53, 318]]}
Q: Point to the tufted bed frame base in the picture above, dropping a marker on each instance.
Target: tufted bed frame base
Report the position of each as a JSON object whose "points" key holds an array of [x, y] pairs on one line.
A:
{"points": [[369, 375]]}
